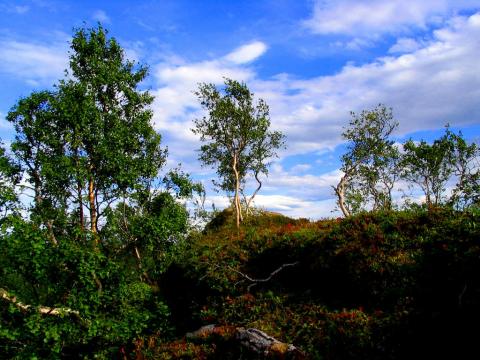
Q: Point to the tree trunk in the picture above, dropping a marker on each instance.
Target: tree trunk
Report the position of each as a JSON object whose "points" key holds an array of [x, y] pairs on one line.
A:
{"points": [[340, 191], [93, 208], [80, 205], [254, 193], [45, 310], [79, 192], [236, 200]]}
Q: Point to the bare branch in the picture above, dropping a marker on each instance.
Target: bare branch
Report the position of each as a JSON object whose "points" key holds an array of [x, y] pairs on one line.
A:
{"points": [[45, 310], [272, 274]]}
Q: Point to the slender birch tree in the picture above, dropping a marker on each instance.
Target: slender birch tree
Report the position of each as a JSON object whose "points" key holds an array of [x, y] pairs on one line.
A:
{"points": [[370, 165], [237, 137]]}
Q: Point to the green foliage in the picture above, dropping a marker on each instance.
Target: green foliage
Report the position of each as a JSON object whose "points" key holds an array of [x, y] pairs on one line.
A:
{"points": [[466, 170], [429, 167], [373, 165], [113, 111], [65, 138], [9, 177], [67, 276], [68, 291]]}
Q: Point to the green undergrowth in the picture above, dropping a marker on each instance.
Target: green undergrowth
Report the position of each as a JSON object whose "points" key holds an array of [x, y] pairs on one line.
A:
{"points": [[377, 285]]}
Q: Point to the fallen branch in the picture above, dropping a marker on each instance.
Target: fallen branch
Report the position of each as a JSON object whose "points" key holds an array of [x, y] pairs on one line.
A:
{"points": [[46, 310], [272, 274]]}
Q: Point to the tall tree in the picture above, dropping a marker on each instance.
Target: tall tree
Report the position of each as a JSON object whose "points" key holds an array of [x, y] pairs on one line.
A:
{"points": [[87, 145], [370, 163], [96, 126], [115, 141], [237, 137]]}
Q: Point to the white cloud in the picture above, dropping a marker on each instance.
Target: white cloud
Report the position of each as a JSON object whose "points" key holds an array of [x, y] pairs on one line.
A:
{"points": [[427, 88], [297, 207], [362, 18], [359, 17], [291, 206], [247, 53], [404, 45], [300, 168], [36, 64], [175, 103], [4, 124], [14, 9], [101, 16]]}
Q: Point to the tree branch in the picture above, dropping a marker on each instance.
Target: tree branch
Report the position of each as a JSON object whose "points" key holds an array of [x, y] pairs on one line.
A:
{"points": [[45, 310], [255, 192], [272, 274]]}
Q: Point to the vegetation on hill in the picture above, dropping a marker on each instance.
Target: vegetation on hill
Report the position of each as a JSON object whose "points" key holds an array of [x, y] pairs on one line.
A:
{"points": [[384, 285]]}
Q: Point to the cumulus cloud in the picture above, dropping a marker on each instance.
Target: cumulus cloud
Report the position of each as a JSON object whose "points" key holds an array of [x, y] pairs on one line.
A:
{"points": [[361, 17], [175, 103], [294, 207], [36, 64], [297, 207], [404, 45], [428, 87], [247, 53]]}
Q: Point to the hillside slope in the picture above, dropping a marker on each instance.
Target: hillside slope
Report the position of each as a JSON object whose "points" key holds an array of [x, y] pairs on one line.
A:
{"points": [[378, 286]]}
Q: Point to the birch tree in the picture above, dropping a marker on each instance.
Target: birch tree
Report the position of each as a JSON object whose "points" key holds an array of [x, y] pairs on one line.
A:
{"points": [[370, 165], [91, 141], [237, 137]]}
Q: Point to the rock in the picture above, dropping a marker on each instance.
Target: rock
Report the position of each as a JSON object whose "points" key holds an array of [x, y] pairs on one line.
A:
{"points": [[261, 343], [254, 340]]}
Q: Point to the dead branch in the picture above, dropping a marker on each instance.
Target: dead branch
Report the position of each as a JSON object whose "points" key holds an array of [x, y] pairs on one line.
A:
{"points": [[256, 281], [46, 310], [254, 193]]}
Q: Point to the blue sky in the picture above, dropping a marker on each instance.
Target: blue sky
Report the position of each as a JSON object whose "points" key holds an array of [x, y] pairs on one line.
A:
{"points": [[312, 61]]}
